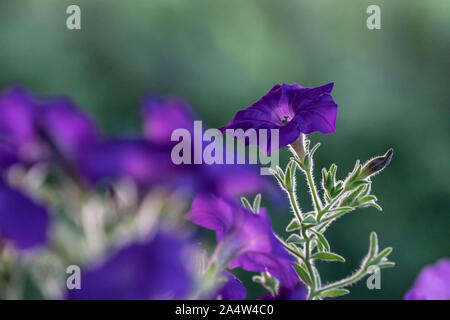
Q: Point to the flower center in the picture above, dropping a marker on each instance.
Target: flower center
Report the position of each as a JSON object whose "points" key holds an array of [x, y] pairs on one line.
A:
{"points": [[285, 120]]}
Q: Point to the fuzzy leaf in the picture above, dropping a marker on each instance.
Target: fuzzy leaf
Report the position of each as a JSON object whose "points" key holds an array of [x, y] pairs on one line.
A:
{"points": [[293, 225], [322, 240], [303, 274], [309, 219], [328, 256], [246, 203], [257, 203], [294, 238], [384, 253], [334, 293]]}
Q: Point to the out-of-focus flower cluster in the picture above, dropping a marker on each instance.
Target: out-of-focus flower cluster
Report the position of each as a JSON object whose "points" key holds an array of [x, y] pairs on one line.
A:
{"points": [[115, 206]]}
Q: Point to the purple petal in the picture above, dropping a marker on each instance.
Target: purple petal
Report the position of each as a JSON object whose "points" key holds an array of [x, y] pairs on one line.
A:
{"points": [[67, 127], [17, 109], [153, 269], [233, 289], [126, 158], [433, 282], [18, 127], [22, 221], [236, 227], [291, 109], [164, 115]]}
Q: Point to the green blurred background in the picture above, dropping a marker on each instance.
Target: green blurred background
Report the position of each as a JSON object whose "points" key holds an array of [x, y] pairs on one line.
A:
{"points": [[391, 85]]}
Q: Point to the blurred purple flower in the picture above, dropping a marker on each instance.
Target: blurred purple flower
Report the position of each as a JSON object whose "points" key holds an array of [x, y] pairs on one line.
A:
{"points": [[136, 159], [67, 128], [244, 239], [161, 117], [433, 282], [233, 289], [292, 109], [34, 130], [153, 269], [17, 126], [23, 222]]}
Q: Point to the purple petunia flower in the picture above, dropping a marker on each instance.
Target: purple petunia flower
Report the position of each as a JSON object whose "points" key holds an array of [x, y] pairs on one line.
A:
{"points": [[23, 222], [233, 289], [292, 110], [153, 269], [244, 239], [433, 283]]}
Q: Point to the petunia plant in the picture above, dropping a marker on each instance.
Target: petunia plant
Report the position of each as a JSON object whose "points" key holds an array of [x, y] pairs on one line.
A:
{"points": [[297, 111]]}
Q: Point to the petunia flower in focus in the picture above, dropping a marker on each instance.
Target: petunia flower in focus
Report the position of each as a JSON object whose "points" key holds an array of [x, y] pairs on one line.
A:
{"points": [[232, 289], [433, 282], [23, 223], [153, 269], [292, 109], [244, 239]]}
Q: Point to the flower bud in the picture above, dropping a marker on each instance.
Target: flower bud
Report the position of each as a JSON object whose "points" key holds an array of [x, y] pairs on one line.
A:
{"points": [[377, 164]]}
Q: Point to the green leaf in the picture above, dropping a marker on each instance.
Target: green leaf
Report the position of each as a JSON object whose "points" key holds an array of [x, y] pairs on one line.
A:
{"points": [[309, 219], [385, 265], [293, 225], [375, 205], [246, 203], [294, 238], [334, 293], [322, 240], [257, 203], [368, 199], [373, 246], [287, 177], [320, 247], [303, 274], [313, 150], [382, 255], [328, 256]]}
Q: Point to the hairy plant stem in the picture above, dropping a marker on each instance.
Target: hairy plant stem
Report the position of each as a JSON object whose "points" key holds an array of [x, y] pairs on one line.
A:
{"points": [[344, 282], [313, 190], [306, 249]]}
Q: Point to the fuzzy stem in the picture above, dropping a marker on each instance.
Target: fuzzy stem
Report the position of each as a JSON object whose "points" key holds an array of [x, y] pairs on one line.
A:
{"points": [[313, 190]]}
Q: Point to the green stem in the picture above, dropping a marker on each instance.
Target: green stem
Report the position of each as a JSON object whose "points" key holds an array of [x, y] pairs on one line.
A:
{"points": [[312, 188], [310, 269], [344, 282], [294, 205], [330, 205], [306, 259]]}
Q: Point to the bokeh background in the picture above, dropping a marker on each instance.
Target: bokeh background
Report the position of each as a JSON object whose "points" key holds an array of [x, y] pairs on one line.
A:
{"points": [[391, 85]]}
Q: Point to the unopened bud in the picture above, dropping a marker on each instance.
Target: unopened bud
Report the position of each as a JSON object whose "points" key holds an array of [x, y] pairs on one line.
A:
{"points": [[376, 165]]}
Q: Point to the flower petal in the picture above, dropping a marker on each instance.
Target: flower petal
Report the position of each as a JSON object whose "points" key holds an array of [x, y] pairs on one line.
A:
{"points": [[22, 221], [153, 269]]}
